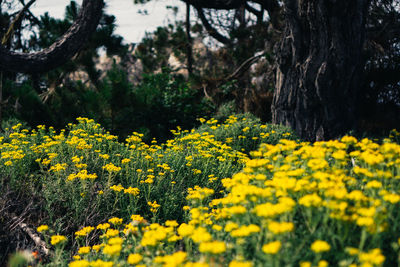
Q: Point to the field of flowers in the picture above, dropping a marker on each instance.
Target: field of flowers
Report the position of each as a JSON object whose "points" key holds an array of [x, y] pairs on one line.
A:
{"points": [[202, 199]]}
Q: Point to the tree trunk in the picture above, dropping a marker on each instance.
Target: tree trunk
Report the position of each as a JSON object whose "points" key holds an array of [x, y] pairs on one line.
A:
{"points": [[319, 67], [62, 50], [189, 41]]}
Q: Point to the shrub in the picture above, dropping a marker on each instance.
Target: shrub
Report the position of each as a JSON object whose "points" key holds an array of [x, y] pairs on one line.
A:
{"points": [[84, 174], [327, 203]]}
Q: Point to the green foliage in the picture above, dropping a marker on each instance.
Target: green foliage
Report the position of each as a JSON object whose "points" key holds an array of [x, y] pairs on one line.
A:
{"points": [[159, 103], [163, 102], [155, 48]]}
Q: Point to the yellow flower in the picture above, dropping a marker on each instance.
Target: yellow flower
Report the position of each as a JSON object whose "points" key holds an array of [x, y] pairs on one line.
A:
{"points": [[84, 250], [373, 184], [280, 227], [137, 218], [317, 164], [84, 231], [365, 221], [172, 260], [42, 228], [311, 200], [245, 230], [217, 227], [149, 180], [214, 247], [104, 156], [348, 139], [115, 221], [111, 168], [112, 250], [134, 258], [101, 263], [231, 226], [373, 257], [110, 233], [305, 264], [58, 167], [323, 263], [125, 161], [196, 264], [103, 226], [235, 263], [352, 251], [97, 247], [171, 223], [392, 198], [117, 188], [115, 241], [76, 159], [185, 229], [371, 158], [153, 206], [79, 263], [272, 247], [57, 239], [200, 234], [320, 246], [132, 191]]}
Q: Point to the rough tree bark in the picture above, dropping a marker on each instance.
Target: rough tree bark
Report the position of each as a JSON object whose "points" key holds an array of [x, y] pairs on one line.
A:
{"points": [[62, 50], [319, 66]]}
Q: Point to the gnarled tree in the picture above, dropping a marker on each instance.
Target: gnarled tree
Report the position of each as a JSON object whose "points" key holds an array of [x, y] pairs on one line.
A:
{"points": [[320, 66], [62, 50], [319, 61]]}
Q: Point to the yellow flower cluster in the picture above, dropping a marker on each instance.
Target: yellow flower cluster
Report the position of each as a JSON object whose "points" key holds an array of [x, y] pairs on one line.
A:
{"points": [[57, 239], [42, 228], [84, 231], [110, 167], [292, 204], [285, 195], [83, 175]]}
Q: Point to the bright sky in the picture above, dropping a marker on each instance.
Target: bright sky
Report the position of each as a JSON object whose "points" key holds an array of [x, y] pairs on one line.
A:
{"points": [[131, 25]]}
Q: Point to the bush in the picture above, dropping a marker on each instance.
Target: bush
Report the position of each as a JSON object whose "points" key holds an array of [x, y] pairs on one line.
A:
{"points": [[162, 102], [186, 201], [327, 203], [84, 174]]}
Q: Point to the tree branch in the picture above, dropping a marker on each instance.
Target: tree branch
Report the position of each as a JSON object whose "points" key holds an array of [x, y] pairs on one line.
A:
{"points": [[216, 4], [16, 20], [32, 17], [212, 31], [256, 12], [244, 66], [62, 50]]}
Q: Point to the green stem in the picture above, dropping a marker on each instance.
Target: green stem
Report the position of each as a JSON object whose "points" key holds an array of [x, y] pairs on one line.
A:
{"points": [[363, 239]]}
